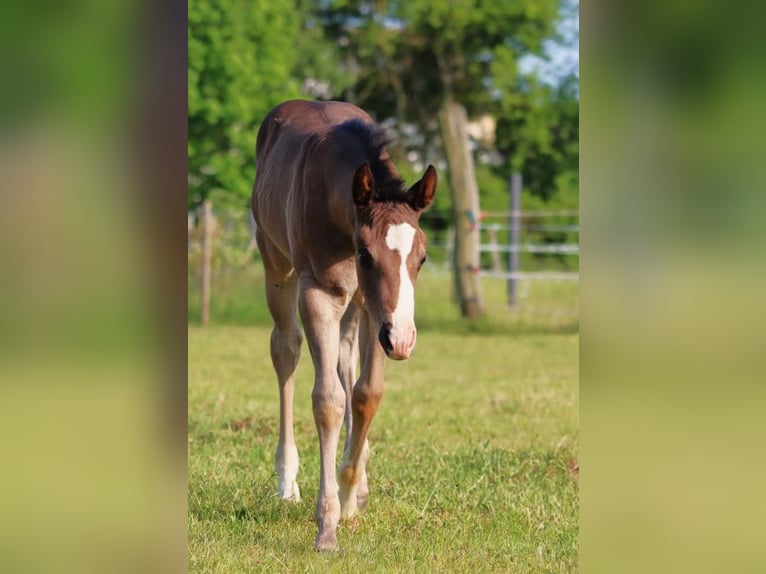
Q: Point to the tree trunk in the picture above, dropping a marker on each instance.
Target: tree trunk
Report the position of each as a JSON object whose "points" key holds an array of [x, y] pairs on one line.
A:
{"points": [[465, 205]]}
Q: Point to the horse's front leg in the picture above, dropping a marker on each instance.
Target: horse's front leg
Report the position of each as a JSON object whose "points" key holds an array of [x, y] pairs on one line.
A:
{"points": [[321, 313], [365, 399]]}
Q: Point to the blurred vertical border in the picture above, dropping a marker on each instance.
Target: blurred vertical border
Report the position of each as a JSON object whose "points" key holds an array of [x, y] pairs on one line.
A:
{"points": [[93, 289], [672, 273]]}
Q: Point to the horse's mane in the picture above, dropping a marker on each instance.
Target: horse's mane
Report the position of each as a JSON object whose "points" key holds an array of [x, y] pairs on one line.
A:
{"points": [[389, 186]]}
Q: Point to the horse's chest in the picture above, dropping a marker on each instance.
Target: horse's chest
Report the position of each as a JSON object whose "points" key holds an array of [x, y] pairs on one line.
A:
{"points": [[339, 276]]}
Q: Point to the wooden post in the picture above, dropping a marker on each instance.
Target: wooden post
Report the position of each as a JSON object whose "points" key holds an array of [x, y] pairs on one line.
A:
{"points": [[514, 235], [207, 258], [465, 205]]}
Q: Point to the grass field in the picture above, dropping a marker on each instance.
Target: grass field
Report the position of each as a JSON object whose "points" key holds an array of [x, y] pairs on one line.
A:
{"points": [[473, 461]]}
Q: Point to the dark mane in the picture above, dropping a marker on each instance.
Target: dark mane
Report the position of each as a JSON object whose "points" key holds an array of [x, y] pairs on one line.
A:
{"points": [[389, 186]]}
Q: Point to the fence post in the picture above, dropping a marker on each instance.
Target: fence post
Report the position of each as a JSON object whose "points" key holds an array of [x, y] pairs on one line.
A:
{"points": [[514, 235], [495, 253], [207, 257]]}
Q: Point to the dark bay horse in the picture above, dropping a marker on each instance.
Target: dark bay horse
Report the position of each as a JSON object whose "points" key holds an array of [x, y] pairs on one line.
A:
{"points": [[339, 237]]}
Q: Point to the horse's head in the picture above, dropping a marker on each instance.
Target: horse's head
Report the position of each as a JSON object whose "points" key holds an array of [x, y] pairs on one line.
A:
{"points": [[391, 248]]}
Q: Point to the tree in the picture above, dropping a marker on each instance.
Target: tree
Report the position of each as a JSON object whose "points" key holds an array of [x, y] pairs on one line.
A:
{"points": [[246, 56], [432, 62], [538, 134]]}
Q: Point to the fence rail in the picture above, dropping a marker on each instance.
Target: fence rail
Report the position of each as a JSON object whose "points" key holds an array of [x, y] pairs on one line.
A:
{"points": [[537, 213], [565, 248], [514, 222], [532, 227], [517, 222], [517, 275], [204, 231]]}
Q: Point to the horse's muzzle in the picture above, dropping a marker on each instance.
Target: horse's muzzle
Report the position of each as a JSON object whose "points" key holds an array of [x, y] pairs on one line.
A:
{"points": [[397, 343]]}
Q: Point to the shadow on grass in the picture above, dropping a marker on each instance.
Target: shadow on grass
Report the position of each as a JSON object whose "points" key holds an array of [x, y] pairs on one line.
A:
{"points": [[270, 510], [212, 499]]}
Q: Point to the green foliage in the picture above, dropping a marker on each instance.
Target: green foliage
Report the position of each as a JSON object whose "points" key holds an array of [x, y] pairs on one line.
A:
{"points": [[397, 59], [411, 55], [493, 188], [245, 56], [538, 133], [240, 58]]}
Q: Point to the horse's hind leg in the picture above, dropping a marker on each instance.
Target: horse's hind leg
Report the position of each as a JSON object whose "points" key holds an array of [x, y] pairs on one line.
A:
{"points": [[286, 338]]}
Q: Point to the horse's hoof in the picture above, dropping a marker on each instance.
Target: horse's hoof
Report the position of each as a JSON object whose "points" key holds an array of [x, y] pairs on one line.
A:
{"points": [[327, 542], [290, 492]]}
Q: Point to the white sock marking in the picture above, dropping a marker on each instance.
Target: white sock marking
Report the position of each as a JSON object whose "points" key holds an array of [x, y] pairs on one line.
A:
{"points": [[287, 471], [400, 237]]}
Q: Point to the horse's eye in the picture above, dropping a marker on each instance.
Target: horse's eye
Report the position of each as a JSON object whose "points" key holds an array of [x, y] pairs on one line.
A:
{"points": [[421, 262], [365, 259]]}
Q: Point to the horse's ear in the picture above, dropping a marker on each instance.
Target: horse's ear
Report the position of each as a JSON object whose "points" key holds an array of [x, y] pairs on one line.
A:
{"points": [[422, 192], [363, 185]]}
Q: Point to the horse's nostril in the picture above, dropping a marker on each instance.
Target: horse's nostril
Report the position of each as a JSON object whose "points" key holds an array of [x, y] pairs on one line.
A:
{"points": [[385, 338]]}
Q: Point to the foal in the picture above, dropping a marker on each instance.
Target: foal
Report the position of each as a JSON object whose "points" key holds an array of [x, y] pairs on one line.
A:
{"points": [[338, 234]]}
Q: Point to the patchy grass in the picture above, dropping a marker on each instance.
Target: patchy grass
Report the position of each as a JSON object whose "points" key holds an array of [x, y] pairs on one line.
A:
{"points": [[473, 460]]}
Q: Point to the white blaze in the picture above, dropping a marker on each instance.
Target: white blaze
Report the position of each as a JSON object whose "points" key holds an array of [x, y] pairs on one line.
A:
{"points": [[400, 237]]}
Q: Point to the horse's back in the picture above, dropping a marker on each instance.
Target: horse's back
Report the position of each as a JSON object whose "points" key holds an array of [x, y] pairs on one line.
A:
{"points": [[291, 150], [291, 123]]}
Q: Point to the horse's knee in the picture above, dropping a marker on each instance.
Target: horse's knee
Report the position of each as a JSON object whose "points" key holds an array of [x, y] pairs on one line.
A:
{"points": [[289, 338], [365, 400], [286, 346], [328, 403], [295, 340]]}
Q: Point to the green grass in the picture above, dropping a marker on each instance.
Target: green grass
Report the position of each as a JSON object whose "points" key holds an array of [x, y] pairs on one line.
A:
{"points": [[473, 461]]}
